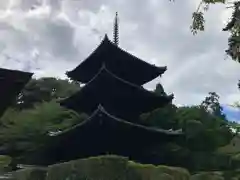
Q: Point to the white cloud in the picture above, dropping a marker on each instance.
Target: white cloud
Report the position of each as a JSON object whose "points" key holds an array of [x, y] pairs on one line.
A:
{"points": [[50, 37]]}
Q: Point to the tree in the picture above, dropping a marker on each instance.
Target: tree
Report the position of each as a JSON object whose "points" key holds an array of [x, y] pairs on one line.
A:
{"points": [[162, 117], [205, 125], [198, 24], [212, 105], [159, 90], [28, 129], [45, 90]]}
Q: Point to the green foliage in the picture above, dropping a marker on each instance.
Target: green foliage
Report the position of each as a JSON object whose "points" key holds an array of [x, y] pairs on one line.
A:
{"points": [[210, 131], [197, 23], [155, 172], [231, 175], [207, 176], [30, 174], [205, 127], [45, 89], [102, 167], [208, 161], [197, 113], [118, 168], [193, 128], [212, 105], [159, 90], [5, 161], [28, 129], [233, 148], [114, 168], [233, 26], [161, 117]]}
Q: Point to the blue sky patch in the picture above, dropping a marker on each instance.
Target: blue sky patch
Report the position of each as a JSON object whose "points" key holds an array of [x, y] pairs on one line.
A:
{"points": [[233, 114]]}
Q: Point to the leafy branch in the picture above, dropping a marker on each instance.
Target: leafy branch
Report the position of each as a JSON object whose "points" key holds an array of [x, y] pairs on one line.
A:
{"points": [[233, 26], [198, 20]]}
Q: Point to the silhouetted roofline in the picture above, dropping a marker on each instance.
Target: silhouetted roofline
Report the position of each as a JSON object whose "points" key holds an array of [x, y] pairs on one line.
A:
{"points": [[11, 82], [104, 68], [101, 109], [20, 75], [156, 100], [164, 68], [105, 43]]}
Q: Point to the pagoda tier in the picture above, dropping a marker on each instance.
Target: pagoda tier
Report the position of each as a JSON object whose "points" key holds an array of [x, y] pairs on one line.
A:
{"points": [[119, 62], [101, 134], [11, 82], [119, 97]]}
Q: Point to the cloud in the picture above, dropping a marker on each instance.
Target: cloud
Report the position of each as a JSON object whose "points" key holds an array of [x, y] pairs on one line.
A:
{"points": [[50, 37]]}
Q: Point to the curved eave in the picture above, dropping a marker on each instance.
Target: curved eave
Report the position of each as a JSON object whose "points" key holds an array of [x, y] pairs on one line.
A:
{"points": [[85, 71], [100, 111], [100, 79], [11, 82], [15, 75]]}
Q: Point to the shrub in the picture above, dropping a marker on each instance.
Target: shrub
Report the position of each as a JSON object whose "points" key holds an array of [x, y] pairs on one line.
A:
{"points": [[113, 168], [30, 174], [207, 176]]}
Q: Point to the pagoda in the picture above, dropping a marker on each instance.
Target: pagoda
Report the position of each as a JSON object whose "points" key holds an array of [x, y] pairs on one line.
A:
{"points": [[114, 98], [11, 82], [113, 78]]}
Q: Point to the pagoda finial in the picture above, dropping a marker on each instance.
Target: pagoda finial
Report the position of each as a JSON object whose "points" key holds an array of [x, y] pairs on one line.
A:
{"points": [[116, 31]]}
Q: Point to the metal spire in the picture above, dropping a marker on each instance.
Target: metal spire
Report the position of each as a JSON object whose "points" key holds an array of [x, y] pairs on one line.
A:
{"points": [[116, 31]]}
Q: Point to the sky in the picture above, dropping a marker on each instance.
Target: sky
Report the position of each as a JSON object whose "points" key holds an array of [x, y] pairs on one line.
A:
{"points": [[50, 37], [232, 114]]}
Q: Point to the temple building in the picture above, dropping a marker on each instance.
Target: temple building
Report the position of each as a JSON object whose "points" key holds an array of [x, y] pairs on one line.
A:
{"points": [[12, 82], [119, 97], [114, 98]]}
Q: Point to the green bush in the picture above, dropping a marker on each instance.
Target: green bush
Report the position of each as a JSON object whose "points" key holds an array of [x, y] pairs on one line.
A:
{"points": [[30, 174], [95, 168], [235, 161], [232, 175], [207, 176], [113, 168], [27, 130], [153, 172]]}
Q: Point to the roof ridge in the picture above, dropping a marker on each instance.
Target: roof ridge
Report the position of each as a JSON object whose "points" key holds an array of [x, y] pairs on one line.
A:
{"points": [[135, 57], [104, 68], [15, 70], [101, 109], [106, 40]]}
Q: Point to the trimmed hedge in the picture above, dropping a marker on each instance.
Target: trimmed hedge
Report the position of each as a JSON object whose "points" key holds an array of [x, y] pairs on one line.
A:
{"points": [[207, 176], [113, 168], [30, 174], [95, 168], [154, 172], [116, 168]]}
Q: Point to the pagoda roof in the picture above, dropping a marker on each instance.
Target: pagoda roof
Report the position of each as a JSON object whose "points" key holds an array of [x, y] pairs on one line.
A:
{"points": [[100, 115], [119, 97], [120, 62], [11, 82], [100, 134]]}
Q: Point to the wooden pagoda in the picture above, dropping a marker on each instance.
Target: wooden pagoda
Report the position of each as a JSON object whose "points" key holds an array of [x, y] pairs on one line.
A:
{"points": [[114, 98]]}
